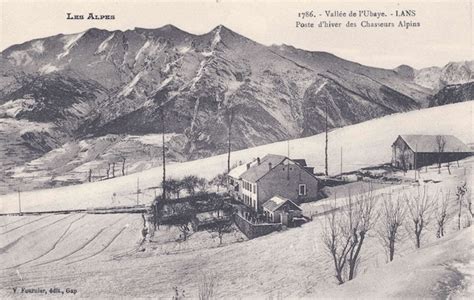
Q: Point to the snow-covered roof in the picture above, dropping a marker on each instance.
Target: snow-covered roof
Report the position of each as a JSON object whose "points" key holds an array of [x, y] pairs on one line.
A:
{"points": [[257, 171], [239, 170], [276, 202], [429, 143]]}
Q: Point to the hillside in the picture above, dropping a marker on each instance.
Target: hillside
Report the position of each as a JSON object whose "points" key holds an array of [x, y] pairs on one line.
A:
{"points": [[442, 270], [100, 83], [98, 255], [365, 144], [436, 78], [453, 94]]}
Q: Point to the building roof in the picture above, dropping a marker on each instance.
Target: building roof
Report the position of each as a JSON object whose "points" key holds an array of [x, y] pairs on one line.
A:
{"points": [[239, 170], [429, 143], [257, 171], [276, 202]]}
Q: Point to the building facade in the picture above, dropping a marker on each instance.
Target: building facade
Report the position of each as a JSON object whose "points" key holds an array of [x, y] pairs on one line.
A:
{"points": [[415, 151], [275, 175]]}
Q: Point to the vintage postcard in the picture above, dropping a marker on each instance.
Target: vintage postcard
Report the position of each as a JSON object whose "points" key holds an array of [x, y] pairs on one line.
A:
{"points": [[222, 149]]}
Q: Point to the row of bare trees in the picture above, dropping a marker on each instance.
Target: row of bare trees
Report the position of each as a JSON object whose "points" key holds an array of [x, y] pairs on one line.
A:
{"points": [[392, 219], [110, 171]]}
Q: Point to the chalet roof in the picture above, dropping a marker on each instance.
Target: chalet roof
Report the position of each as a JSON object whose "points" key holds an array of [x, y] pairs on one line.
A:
{"points": [[429, 143], [276, 202], [239, 170], [257, 171]]}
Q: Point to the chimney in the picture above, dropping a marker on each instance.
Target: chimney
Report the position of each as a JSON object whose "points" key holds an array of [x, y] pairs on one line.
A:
{"points": [[248, 166], [258, 161], [269, 166]]}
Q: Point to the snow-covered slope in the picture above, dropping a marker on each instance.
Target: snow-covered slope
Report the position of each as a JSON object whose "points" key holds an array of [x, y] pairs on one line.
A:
{"points": [[363, 144], [442, 270]]}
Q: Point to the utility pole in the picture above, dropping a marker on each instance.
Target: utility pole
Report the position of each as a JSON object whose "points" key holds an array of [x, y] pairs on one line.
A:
{"points": [[19, 202], [163, 184], [416, 151], [288, 161], [138, 189], [341, 162], [326, 146]]}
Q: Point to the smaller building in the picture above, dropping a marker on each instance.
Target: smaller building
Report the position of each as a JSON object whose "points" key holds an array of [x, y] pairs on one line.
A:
{"points": [[281, 210], [413, 151]]}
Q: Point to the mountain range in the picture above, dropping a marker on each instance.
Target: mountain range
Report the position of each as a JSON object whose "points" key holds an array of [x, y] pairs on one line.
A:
{"points": [[82, 96]]}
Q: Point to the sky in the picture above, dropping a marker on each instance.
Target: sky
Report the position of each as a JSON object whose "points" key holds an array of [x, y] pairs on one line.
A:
{"points": [[445, 33]]}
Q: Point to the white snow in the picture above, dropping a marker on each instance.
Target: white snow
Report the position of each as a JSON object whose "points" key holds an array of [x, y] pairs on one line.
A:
{"points": [[199, 73], [217, 38], [365, 144], [38, 46], [428, 273], [151, 139], [13, 107], [145, 46], [215, 41], [48, 68], [69, 43], [103, 46], [184, 49], [21, 58], [129, 87]]}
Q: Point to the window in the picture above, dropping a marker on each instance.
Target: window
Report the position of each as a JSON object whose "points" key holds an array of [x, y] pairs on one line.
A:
{"points": [[302, 190]]}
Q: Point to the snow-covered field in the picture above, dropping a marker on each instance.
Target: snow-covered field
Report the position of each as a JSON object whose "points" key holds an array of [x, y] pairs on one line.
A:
{"points": [[364, 144], [442, 270], [97, 256]]}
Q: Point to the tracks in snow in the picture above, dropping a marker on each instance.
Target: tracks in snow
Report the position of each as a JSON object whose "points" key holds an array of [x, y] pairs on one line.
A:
{"points": [[101, 250], [82, 246], [54, 245], [11, 244], [36, 220]]}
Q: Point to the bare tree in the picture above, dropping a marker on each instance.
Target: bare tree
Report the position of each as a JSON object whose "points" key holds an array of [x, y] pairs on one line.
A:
{"points": [[207, 287], [440, 144], [461, 191], [336, 243], [392, 217], [163, 149], [113, 170], [185, 229], [222, 226], [469, 202], [404, 158], [345, 232], [420, 208], [108, 169], [90, 175], [361, 219], [442, 214]]}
